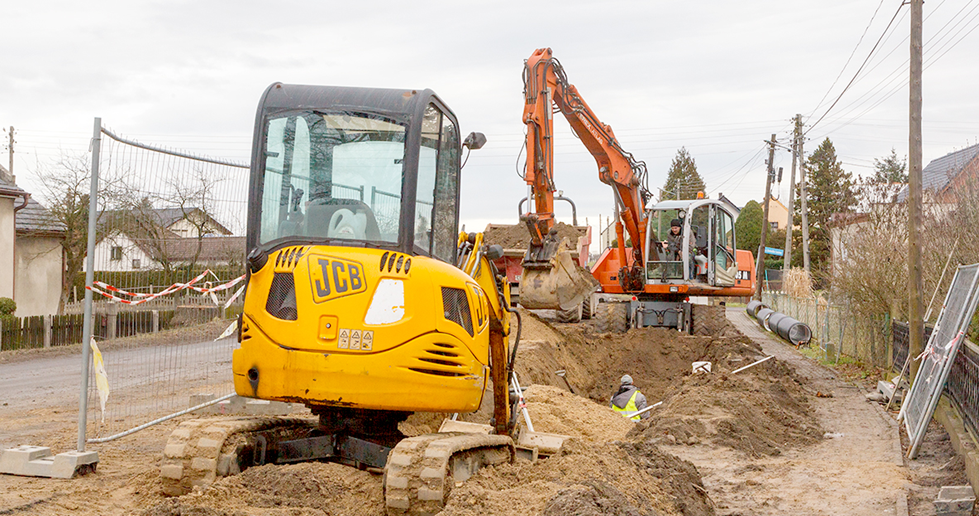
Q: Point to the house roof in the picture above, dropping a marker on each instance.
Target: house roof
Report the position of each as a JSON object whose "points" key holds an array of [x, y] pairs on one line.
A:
{"points": [[32, 218], [35, 218], [213, 248], [167, 217], [940, 172], [8, 188]]}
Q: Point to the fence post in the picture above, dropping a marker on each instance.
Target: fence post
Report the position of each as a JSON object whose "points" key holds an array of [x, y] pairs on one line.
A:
{"points": [[93, 208], [155, 316], [47, 331], [111, 320]]}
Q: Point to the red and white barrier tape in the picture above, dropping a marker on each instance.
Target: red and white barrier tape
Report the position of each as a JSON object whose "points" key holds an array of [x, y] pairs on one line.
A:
{"points": [[106, 289]]}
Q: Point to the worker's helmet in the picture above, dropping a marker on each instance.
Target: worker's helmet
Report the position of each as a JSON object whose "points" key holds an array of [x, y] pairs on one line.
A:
{"points": [[676, 222], [626, 380]]}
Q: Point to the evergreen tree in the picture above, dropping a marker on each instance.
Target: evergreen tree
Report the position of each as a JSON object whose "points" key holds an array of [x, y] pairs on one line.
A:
{"points": [[890, 169], [831, 190], [748, 227], [683, 178]]}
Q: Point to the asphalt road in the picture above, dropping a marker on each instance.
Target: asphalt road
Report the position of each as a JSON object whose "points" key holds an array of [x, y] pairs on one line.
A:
{"points": [[146, 382]]}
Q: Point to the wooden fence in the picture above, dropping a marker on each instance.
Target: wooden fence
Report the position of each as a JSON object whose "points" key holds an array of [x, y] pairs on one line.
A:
{"points": [[64, 330]]}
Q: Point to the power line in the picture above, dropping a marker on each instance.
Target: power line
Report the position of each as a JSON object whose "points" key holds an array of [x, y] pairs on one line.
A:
{"points": [[848, 59], [847, 87]]}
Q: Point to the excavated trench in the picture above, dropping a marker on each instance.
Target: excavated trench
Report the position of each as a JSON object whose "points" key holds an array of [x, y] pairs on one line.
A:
{"points": [[610, 466]]}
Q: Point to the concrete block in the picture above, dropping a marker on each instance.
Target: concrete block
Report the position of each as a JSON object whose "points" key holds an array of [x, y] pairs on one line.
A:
{"points": [[887, 390], [37, 461], [955, 501]]}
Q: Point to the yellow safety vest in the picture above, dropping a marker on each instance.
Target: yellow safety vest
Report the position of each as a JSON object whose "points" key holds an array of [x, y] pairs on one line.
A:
{"points": [[630, 408]]}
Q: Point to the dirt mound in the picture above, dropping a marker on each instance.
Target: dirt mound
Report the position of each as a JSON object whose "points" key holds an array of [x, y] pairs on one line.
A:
{"points": [[645, 477], [610, 465], [594, 362], [298, 489], [594, 498], [557, 411], [518, 236], [759, 412]]}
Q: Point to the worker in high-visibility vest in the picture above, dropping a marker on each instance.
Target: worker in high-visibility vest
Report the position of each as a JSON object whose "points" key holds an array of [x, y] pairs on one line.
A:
{"points": [[628, 400]]}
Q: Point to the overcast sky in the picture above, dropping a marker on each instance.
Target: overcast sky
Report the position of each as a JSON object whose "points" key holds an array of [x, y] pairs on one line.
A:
{"points": [[717, 77]]}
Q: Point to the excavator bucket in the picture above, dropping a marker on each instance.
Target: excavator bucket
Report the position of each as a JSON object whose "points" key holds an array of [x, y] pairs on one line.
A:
{"points": [[558, 283]]}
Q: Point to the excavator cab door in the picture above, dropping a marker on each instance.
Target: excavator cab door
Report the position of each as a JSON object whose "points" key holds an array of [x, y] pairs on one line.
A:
{"points": [[722, 266]]}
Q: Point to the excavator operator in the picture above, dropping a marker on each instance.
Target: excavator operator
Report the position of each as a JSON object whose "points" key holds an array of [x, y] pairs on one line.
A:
{"points": [[673, 246], [674, 240]]}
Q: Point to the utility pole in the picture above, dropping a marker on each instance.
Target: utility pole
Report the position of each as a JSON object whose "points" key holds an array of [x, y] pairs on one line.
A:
{"points": [[796, 136], [805, 208], [915, 286], [760, 264], [10, 149]]}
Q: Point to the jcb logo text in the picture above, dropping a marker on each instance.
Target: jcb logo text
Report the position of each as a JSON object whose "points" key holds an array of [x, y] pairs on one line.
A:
{"points": [[332, 278]]}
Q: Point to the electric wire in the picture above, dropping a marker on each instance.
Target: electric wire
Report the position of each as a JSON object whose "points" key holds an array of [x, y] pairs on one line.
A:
{"points": [[852, 53], [855, 75]]}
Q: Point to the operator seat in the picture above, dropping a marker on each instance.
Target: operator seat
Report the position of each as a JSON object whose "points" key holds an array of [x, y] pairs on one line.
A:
{"points": [[326, 213]]}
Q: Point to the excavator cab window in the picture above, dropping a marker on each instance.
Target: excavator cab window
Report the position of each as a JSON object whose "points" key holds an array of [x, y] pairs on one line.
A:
{"points": [[665, 254], [436, 200], [332, 175]]}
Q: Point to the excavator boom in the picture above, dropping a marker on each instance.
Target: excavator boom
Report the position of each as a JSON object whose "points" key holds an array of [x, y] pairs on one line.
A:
{"points": [[546, 86]]}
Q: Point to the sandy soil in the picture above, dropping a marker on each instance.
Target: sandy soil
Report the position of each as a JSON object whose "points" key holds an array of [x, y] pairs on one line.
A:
{"points": [[750, 443]]}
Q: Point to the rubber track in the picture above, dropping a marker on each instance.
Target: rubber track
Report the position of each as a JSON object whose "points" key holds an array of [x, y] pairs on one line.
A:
{"points": [[417, 478], [202, 450]]}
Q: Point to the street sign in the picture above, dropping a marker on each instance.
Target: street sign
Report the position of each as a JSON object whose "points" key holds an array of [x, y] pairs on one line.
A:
{"points": [[774, 252]]}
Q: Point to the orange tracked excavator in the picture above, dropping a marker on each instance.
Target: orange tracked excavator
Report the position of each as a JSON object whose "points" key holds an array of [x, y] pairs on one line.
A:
{"points": [[659, 278]]}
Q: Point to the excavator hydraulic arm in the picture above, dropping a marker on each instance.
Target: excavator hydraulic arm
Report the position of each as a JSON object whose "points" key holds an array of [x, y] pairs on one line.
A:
{"points": [[546, 85]]}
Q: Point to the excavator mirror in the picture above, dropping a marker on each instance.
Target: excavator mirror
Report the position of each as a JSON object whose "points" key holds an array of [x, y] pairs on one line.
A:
{"points": [[474, 141]]}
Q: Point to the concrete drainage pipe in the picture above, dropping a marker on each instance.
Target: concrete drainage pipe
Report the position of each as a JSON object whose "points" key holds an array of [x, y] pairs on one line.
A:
{"points": [[753, 307], [793, 331], [762, 316]]}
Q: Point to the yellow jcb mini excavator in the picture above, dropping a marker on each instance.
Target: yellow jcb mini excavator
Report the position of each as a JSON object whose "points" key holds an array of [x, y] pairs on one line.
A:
{"points": [[363, 302]]}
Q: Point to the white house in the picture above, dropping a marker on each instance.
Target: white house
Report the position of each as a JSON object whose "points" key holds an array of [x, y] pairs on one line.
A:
{"points": [[31, 256], [172, 236]]}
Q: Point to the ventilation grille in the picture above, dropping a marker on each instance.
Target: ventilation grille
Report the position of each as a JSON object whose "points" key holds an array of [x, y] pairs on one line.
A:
{"points": [[281, 302], [436, 372], [455, 306]]}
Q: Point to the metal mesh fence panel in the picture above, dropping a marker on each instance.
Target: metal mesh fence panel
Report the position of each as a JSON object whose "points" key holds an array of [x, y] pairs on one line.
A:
{"points": [[835, 329], [963, 385], [936, 361], [169, 251]]}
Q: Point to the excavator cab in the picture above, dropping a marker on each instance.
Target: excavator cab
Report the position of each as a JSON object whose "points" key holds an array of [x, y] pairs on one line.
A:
{"points": [[705, 252]]}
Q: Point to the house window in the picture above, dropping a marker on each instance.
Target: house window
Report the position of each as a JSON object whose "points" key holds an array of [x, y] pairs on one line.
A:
{"points": [[116, 253], [135, 263], [773, 225]]}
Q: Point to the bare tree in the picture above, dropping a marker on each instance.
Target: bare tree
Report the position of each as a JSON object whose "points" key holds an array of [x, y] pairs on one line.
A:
{"points": [[65, 187]]}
